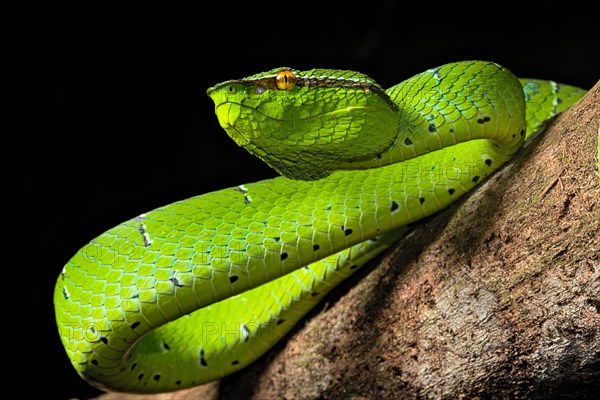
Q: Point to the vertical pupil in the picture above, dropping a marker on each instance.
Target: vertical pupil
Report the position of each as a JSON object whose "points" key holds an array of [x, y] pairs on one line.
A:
{"points": [[285, 80]]}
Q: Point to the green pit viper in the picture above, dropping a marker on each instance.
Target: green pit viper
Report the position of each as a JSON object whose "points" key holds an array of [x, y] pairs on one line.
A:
{"points": [[198, 289]]}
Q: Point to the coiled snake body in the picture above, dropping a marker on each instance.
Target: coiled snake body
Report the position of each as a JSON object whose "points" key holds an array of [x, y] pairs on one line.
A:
{"points": [[200, 288]]}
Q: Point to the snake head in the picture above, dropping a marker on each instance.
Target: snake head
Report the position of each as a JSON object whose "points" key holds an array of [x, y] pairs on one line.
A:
{"points": [[307, 124]]}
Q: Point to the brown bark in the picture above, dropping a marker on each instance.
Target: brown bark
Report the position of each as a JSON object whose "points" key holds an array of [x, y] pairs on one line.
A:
{"points": [[497, 297]]}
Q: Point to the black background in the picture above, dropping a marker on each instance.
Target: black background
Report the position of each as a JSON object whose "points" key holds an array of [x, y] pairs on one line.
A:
{"points": [[111, 118]]}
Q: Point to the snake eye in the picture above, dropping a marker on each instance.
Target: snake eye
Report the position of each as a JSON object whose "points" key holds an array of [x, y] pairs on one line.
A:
{"points": [[285, 80]]}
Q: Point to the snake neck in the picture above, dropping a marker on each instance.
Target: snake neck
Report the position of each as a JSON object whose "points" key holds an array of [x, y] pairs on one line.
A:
{"points": [[454, 112]]}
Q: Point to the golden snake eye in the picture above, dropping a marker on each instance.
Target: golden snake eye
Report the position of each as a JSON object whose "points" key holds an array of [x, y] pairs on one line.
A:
{"points": [[285, 80]]}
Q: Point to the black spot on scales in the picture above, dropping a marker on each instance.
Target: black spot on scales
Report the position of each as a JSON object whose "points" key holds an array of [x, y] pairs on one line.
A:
{"points": [[95, 362], [156, 377], [283, 256], [522, 133], [279, 322], [104, 339], [133, 366], [316, 247], [475, 179], [451, 191], [203, 362], [422, 200], [314, 294], [134, 324], [408, 142], [178, 383], [244, 191], [142, 231], [140, 377], [353, 266], [166, 346], [432, 128], [347, 232], [233, 278], [176, 282], [246, 331], [235, 362], [394, 206], [483, 120], [488, 161]]}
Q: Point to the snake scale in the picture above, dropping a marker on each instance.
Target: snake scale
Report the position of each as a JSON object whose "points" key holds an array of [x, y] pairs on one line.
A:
{"points": [[198, 289]]}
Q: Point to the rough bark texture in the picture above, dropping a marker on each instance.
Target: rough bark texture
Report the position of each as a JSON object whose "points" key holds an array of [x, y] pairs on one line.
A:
{"points": [[497, 297]]}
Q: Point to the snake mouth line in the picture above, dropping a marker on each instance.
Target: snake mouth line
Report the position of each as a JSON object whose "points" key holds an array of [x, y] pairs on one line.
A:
{"points": [[246, 139], [291, 120]]}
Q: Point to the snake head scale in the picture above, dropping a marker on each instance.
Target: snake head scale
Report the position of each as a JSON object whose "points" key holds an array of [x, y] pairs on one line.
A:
{"points": [[307, 124]]}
